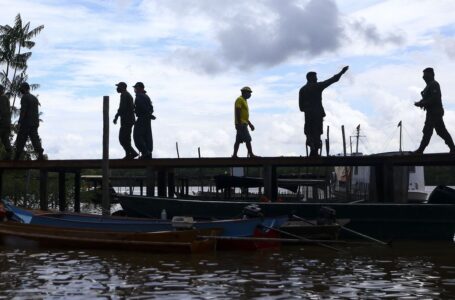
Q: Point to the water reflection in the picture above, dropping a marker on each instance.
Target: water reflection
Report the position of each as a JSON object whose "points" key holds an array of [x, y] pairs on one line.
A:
{"points": [[408, 271]]}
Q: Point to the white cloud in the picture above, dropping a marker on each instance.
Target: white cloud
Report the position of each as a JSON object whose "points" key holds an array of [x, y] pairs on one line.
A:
{"points": [[174, 47]]}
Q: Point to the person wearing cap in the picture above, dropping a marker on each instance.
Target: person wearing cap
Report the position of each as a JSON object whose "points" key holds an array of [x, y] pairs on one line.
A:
{"points": [[28, 123], [310, 102], [432, 102], [142, 132], [5, 122], [127, 119], [242, 121]]}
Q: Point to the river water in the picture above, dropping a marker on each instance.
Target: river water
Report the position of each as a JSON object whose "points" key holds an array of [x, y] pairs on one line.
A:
{"points": [[407, 270]]}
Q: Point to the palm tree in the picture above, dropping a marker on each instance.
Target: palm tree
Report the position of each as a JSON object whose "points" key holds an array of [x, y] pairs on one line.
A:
{"points": [[22, 36], [7, 50]]}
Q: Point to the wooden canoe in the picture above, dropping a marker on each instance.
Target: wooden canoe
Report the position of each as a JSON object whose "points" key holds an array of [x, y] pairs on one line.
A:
{"points": [[184, 241]]}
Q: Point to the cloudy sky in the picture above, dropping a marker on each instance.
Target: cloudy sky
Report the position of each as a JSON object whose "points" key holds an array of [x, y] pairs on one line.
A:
{"points": [[194, 55]]}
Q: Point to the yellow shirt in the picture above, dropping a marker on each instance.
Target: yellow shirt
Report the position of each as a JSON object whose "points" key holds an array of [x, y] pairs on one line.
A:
{"points": [[243, 106]]}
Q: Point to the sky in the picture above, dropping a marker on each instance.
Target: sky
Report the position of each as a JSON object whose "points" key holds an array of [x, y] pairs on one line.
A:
{"points": [[194, 56]]}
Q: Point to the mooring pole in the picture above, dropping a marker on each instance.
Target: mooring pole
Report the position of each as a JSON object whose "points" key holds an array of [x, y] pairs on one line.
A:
{"points": [[344, 140], [106, 205]]}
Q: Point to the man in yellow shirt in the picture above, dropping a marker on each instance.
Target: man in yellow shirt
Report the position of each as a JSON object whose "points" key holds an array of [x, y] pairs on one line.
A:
{"points": [[242, 121]]}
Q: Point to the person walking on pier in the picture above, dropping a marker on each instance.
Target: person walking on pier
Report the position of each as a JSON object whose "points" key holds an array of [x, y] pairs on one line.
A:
{"points": [[126, 114], [28, 123], [5, 122], [142, 132], [242, 121], [310, 102], [431, 102]]}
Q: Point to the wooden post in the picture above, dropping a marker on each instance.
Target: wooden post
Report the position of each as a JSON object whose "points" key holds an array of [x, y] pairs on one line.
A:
{"points": [[346, 169], [344, 140], [170, 184], [187, 186], [77, 191], [161, 183], [327, 142], [270, 183], [43, 201], [389, 195], [61, 191], [150, 182], [106, 202], [1, 184]]}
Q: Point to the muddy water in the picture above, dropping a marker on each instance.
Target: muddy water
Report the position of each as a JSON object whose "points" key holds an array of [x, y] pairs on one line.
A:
{"points": [[411, 270]]}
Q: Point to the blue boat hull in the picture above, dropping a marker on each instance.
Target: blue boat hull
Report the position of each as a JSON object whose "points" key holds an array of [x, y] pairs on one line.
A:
{"points": [[231, 227]]}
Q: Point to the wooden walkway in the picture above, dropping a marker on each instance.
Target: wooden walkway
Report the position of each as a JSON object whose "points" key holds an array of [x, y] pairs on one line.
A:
{"points": [[161, 169], [213, 162]]}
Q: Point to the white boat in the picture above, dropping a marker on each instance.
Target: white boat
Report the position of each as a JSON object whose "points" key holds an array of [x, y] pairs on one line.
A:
{"points": [[355, 181]]}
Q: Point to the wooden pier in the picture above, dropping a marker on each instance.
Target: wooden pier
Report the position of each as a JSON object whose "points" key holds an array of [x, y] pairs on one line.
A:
{"points": [[160, 171]]}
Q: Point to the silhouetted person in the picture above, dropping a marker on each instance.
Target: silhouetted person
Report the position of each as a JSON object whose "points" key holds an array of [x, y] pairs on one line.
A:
{"points": [[143, 128], [5, 122], [28, 122], [242, 121], [432, 103], [126, 114], [310, 102]]}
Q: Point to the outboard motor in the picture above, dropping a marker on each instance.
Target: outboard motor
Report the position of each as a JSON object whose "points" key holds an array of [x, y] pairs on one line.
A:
{"points": [[252, 211], [327, 216]]}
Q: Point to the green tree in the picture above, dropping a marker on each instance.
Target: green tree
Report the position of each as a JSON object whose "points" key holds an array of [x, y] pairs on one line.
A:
{"points": [[14, 39]]}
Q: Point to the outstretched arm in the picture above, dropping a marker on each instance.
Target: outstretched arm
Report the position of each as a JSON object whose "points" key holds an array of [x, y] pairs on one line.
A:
{"points": [[334, 78]]}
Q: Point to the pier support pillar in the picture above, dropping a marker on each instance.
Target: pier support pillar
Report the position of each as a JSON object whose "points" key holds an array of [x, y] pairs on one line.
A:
{"points": [[1, 183], [389, 183], [43, 195], [77, 192], [149, 182], [170, 184], [270, 183], [61, 191], [161, 183]]}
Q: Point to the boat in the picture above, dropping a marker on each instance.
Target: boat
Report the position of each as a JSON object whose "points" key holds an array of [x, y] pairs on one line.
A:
{"points": [[442, 195], [313, 231], [381, 220], [231, 227], [235, 227], [353, 183], [16, 234]]}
